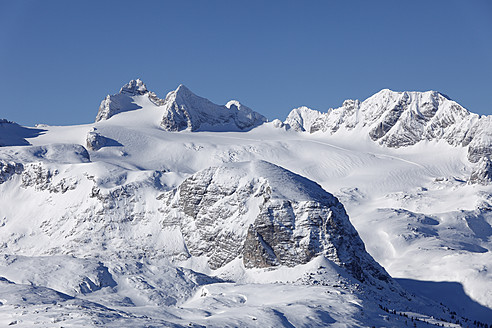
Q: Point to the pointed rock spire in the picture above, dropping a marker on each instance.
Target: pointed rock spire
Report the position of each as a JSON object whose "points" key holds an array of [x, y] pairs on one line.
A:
{"points": [[183, 110]]}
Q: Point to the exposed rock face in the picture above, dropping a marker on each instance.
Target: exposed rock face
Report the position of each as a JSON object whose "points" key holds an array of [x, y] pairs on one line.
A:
{"points": [[399, 119], [268, 216], [302, 118], [482, 173], [96, 141], [345, 115], [479, 140], [134, 88], [36, 175], [124, 100], [183, 110], [8, 169]]}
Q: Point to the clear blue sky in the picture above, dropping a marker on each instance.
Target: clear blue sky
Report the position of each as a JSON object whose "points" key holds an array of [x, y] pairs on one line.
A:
{"points": [[59, 59]]}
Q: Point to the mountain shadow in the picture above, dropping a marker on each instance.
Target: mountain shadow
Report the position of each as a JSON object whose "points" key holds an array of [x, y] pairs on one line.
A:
{"points": [[12, 134], [450, 294]]}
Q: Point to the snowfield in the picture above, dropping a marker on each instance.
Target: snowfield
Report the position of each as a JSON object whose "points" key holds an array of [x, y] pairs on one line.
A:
{"points": [[123, 222]]}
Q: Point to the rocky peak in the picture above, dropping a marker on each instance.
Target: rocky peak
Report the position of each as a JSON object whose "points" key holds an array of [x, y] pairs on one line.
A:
{"points": [[244, 117], [400, 119], [182, 92], [351, 104], [266, 215], [183, 110], [122, 101], [134, 88], [482, 173], [302, 118], [183, 97]]}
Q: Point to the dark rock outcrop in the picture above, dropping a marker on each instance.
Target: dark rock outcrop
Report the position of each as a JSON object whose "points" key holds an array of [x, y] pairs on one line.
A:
{"points": [[267, 216], [482, 173]]}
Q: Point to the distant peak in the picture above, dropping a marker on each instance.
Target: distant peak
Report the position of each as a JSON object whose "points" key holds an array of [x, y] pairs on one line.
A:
{"points": [[5, 121], [134, 87]]}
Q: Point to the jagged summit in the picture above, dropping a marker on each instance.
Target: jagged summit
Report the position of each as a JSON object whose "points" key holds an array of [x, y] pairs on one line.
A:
{"points": [[184, 95], [134, 87], [183, 110], [400, 119], [302, 118], [122, 101], [183, 91]]}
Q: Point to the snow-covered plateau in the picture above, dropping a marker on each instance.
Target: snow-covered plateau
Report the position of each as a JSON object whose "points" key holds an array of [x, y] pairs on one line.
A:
{"points": [[179, 212]]}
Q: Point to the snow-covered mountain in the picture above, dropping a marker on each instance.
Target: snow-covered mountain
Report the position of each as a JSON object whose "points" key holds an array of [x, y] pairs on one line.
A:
{"points": [[302, 118], [182, 110], [267, 216], [124, 100], [136, 220], [185, 110], [400, 119]]}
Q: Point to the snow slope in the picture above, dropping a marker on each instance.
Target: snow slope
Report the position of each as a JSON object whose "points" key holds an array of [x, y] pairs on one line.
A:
{"points": [[101, 213]]}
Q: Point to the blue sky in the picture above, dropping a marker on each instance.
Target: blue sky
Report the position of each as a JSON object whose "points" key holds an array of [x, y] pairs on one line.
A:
{"points": [[59, 59]]}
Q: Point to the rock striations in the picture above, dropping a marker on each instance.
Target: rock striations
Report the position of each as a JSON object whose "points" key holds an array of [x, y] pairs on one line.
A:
{"points": [[400, 119], [266, 215]]}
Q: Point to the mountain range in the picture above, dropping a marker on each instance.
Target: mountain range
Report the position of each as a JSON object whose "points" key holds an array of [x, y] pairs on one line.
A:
{"points": [[181, 212]]}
